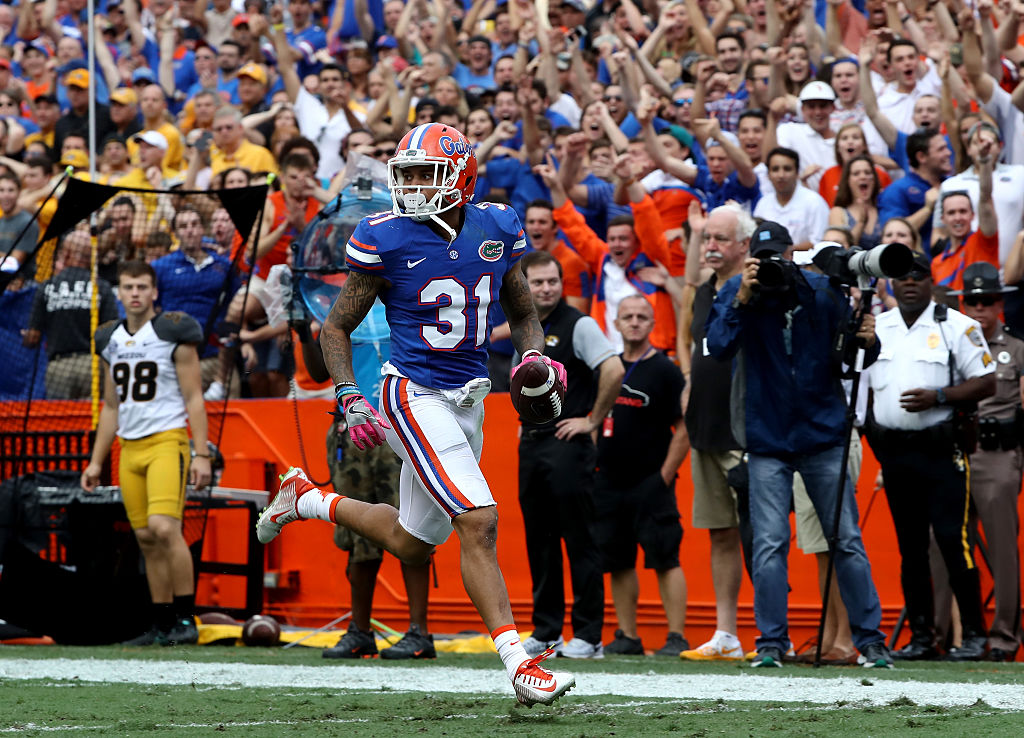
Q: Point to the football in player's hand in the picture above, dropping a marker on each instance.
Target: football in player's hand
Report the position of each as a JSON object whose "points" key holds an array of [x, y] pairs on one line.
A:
{"points": [[537, 393], [261, 630]]}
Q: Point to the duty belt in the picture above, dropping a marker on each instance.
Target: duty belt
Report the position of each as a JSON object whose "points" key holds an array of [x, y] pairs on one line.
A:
{"points": [[936, 438]]}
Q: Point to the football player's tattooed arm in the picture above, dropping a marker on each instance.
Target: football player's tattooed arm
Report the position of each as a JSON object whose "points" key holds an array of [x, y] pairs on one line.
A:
{"points": [[517, 303], [347, 312]]}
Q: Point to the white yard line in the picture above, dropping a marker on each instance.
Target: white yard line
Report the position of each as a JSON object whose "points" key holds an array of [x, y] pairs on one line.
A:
{"points": [[743, 687]]}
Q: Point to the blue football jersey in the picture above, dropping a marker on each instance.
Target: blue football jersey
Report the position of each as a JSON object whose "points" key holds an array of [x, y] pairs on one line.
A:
{"points": [[438, 294]]}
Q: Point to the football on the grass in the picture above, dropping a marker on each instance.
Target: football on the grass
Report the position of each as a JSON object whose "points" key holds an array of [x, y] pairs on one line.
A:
{"points": [[537, 393], [261, 630]]}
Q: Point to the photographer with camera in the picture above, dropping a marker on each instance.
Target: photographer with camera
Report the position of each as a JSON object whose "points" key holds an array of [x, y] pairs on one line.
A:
{"points": [[789, 412], [933, 367]]}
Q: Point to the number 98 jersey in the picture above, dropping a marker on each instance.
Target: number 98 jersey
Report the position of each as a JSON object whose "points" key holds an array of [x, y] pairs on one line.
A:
{"points": [[438, 293], [142, 367]]}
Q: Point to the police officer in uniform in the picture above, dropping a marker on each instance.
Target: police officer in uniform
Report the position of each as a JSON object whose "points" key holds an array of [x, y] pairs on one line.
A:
{"points": [[933, 363], [996, 467], [556, 470]]}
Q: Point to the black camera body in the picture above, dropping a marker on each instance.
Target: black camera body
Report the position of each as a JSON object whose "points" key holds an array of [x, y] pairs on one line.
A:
{"points": [[776, 275]]}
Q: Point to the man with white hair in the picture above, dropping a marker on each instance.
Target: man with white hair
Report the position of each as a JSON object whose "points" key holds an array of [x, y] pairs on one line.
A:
{"points": [[713, 448]]}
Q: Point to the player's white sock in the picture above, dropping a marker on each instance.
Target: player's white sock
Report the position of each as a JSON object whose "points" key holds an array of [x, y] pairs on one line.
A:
{"points": [[318, 504], [510, 649]]}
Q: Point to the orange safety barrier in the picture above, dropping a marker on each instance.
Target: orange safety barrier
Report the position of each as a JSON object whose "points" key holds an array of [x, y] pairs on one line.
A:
{"points": [[305, 572]]}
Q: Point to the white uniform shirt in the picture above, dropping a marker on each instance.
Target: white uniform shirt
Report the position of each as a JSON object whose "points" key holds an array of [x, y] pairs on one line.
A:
{"points": [[811, 146], [918, 358], [805, 216], [142, 366], [1007, 197]]}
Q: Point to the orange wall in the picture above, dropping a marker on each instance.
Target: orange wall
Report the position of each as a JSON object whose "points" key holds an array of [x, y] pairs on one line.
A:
{"points": [[307, 562], [311, 571]]}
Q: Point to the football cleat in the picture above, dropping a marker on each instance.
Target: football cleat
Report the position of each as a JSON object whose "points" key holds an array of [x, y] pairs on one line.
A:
{"points": [[284, 508], [534, 684]]}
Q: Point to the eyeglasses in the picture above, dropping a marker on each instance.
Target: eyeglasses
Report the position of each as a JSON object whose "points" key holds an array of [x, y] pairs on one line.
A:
{"points": [[981, 300], [381, 152], [225, 127], [609, 98], [916, 276]]}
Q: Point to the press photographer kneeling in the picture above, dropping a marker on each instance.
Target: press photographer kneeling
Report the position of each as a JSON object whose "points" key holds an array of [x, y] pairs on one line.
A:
{"points": [[789, 412]]}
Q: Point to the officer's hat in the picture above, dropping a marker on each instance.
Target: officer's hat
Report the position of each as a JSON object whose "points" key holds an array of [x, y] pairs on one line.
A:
{"points": [[981, 278]]}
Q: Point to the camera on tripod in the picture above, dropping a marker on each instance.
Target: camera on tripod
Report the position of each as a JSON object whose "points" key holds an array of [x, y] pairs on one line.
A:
{"points": [[849, 266]]}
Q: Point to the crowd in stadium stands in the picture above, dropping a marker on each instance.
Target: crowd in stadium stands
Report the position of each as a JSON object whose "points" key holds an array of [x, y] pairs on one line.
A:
{"points": [[860, 121]]}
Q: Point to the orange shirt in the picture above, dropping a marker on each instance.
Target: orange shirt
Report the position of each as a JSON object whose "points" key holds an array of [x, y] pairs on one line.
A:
{"points": [[829, 185], [673, 206], [948, 267], [278, 254]]}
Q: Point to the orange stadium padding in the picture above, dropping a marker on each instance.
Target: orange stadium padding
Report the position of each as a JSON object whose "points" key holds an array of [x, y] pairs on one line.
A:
{"points": [[305, 572]]}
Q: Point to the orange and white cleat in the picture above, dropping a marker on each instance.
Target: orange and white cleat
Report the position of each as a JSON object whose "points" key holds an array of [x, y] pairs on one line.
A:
{"points": [[535, 684], [284, 508]]}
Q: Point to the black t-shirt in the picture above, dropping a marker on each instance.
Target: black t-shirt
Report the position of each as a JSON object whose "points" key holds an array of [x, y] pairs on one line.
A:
{"points": [[707, 414], [60, 311], [647, 407]]}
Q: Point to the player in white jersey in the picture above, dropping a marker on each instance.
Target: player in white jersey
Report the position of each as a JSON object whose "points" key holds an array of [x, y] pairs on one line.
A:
{"points": [[151, 386], [437, 263]]}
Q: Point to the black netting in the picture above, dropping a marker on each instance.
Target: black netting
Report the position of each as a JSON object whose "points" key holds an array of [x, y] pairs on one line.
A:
{"points": [[51, 388]]}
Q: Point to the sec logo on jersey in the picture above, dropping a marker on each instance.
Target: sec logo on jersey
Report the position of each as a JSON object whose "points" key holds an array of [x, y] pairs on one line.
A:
{"points": [[491, 250]]}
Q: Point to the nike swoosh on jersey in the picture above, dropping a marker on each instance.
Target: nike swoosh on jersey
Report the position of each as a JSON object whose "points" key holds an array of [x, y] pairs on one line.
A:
{"points": [[410, 263]]}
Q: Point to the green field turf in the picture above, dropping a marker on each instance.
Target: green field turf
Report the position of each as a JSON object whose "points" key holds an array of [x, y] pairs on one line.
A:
{"points": [[91, 705]]}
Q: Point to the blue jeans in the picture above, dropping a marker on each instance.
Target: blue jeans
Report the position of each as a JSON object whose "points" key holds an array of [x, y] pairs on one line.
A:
{"points": [[771, 490]]}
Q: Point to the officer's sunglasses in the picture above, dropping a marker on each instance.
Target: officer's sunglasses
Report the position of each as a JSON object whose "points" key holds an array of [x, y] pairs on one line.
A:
{"points": [[981, 300]]}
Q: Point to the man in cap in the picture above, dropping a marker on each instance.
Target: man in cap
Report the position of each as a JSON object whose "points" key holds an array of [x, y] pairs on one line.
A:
{"points": [[124, 112], [997, 466], [45, 112], [935, 367], [790, 416], [813, 140], [77, 118], [252, 88]]}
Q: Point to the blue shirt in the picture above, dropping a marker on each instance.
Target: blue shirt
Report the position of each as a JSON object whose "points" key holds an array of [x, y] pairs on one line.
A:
{"points": [[181, 287], [905, 197], [601, 206], [792, 401], [438, 293], [308, 41], [518, 180], [474, 84], [731, 188]]}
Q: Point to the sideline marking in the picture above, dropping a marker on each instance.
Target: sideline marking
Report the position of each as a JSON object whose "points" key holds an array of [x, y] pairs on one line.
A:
{"points": [[748, 688]]}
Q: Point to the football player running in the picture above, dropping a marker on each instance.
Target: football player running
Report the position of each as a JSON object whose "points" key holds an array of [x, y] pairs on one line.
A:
{"points": [[151, 387], [437, 263]]}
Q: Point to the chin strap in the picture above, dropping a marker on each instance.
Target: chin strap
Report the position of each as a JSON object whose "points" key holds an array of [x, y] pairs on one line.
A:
{"points": [[452, 235]]}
